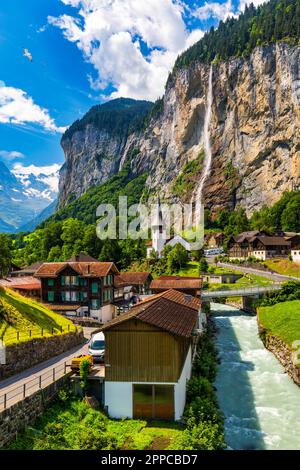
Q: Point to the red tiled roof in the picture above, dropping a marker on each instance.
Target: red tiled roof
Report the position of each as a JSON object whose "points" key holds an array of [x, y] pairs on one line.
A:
{"points": [[26, 282], [33, 286], [85, 269], [177, 297], [131, 278], [170, 313], [176, 283]]}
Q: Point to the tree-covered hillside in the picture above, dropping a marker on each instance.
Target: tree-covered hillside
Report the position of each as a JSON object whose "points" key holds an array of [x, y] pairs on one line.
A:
{"points": [[274, 21], [119, 116]]}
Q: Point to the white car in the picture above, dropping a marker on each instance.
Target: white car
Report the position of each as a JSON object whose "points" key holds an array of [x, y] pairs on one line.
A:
{"points": [[97, 347]]}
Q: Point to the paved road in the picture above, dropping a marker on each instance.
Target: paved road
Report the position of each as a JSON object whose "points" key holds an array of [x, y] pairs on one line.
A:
{"points": [[273, 276], [29, 380]]}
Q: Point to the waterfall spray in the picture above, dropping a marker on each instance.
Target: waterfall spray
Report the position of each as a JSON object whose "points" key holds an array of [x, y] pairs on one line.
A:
{"points": [[207, 149]]}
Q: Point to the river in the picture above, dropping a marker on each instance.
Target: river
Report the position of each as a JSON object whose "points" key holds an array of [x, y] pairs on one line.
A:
{"points": [[260, 402]]}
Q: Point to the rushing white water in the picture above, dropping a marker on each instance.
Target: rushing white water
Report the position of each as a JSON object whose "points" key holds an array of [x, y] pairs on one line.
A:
{"points": [[259, 400], [207, 146]]}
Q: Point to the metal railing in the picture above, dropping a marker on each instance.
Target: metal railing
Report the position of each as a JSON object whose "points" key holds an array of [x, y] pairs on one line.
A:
{"points": [[247, 291], [22, 335], [26, 389]]}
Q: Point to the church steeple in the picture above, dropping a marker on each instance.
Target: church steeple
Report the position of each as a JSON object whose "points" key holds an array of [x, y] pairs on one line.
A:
{"points": [[159, 237]]}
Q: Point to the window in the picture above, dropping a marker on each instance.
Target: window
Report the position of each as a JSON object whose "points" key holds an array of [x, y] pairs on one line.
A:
{"points": [[107, 295], [95, 304], [82, 296], [50, 296], [83, 282], [94, 287], [50, 282], [71, 296]]}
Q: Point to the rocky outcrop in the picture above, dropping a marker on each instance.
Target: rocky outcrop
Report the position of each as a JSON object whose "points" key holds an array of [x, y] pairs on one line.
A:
{"points": [[282, 352], [254, 134]]}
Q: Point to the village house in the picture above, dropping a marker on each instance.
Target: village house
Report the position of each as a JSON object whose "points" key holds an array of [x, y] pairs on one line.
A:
{"points": [[188, 285], [148, 357], [214, 239], [28, 286], [294, 239], [258, 245], [79, 288], [132, 282]]}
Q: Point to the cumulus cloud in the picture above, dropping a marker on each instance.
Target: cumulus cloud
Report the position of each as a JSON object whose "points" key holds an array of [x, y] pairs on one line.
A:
{"points": [[243, 3], [132, 45], [216, 10], [49, 175], [16, 107]]}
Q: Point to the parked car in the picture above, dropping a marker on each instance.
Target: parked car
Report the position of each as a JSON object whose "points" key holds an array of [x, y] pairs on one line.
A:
{"points": [[97, 347]]}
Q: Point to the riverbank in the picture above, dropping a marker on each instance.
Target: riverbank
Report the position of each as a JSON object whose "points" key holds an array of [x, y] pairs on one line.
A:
{"points": [[259, 400], [279, 329]]}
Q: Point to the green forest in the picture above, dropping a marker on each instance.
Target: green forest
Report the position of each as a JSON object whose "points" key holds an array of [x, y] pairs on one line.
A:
{"points": [[237, 37]]}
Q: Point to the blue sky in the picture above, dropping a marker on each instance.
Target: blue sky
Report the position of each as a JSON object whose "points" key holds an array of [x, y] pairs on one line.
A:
{"points": [[85, 52]]}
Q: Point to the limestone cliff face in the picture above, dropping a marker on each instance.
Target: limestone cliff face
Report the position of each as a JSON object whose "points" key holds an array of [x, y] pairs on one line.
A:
{"points": [[92, 157], [254, 133]]}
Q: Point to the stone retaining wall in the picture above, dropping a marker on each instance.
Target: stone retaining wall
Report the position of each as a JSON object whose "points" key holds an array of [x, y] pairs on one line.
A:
{"points": [[14, 419], [282, 352], [22, 356]]}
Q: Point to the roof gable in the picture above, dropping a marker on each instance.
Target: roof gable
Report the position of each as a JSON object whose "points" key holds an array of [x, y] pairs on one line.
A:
{"points": [[169, 312], [84, 269]]}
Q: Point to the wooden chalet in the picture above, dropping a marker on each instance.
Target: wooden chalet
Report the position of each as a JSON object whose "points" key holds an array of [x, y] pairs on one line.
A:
{"points": [[79, 288], [148, 357], [258, 245]]}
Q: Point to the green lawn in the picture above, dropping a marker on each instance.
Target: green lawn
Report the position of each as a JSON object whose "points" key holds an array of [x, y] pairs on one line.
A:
{"points": [[192, 269], [284, 266], [21, 314], [71, 425], [282, 320]]}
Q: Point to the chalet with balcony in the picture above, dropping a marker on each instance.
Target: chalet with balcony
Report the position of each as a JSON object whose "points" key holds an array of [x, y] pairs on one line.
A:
{"points": [[79, 288], [148, 357], [258, 245]]}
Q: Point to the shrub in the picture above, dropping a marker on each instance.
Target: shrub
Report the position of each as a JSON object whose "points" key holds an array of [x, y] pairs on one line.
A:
{"points": [[201, 436], [199, 387], [204, 409]]}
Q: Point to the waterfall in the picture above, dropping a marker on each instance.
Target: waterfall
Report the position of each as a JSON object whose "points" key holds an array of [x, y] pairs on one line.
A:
{"points": [[207, 147]]}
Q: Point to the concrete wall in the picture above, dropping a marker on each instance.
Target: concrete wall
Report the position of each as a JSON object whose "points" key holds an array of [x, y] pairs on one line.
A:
{"points": [[22, 356], [17, 417], [180, 387], [118, 399]]}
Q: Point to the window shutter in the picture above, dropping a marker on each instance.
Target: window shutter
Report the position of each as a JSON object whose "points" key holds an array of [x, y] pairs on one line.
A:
{"points": [[63, 280]]}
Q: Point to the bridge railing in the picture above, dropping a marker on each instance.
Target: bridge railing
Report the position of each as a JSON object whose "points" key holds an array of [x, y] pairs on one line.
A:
{"points": [[247, 291]]}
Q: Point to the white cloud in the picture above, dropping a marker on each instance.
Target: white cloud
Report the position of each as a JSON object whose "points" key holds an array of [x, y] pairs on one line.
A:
{"points": [[216, 10], [243, 3], [16, 107], [112, 34], [48, 175], [10, 156]]}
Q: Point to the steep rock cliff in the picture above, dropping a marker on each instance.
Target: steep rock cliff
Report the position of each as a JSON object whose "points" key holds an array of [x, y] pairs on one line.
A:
{"points": [[95, 145], [254, 132], [254, 129]]}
